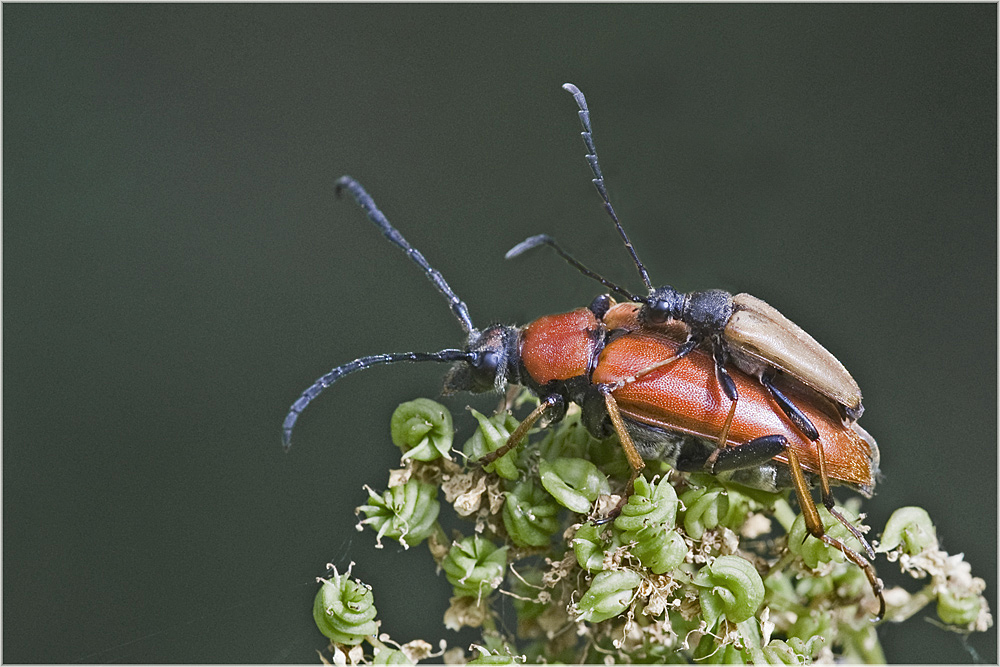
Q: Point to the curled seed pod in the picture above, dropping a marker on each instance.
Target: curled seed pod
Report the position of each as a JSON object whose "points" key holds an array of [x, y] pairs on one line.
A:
{"points": [[609, 595], [406, 513], [344, 610], [569, 439], [487, 657], [814, 551], [530, 515], [730, 587], [658, 548], [491, 435], [708, 508], [574, 483], [589, 547], [958, 610], [911, 529], [649, 506], [474, 566], [793, 652], [422, 428], [390, 656]]}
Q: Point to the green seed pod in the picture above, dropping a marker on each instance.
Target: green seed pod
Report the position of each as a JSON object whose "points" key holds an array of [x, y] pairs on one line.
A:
{"points": [[910, 528], [487, 657], [589, 547], [731, 587], [474, 566], [960, 611], [609, 595], [649, 506], [422, 428], [814, 551], [574, 483], [530, 516], [711, 507], [344, 610], [406, 513], [569, 439], [492, 434], [793, 652], [526, 586], [658, 548], [708, 652], [814, 624], [390, 656]]}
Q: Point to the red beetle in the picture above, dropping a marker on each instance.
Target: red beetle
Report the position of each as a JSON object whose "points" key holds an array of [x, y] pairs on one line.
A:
{"points": [[604, 360]]}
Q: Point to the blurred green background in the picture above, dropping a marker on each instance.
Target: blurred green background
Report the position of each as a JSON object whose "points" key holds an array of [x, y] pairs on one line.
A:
{"points": [[176, 270]]}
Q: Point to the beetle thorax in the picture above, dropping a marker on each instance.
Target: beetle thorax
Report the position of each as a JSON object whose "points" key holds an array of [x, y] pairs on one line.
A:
{"points": [[708, 312]]}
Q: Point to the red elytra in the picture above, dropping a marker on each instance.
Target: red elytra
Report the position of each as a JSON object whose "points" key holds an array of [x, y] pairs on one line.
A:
{"points": [[685, 396]]}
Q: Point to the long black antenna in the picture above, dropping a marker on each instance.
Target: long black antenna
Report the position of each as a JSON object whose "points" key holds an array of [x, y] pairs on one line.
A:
{"points": [[458, 306], [357, 365], [598, 179], [544, 239]]}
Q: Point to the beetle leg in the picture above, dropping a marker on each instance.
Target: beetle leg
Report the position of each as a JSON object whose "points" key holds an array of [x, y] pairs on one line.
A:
{"points": [[549, 402], [814, 525], [631, 453], [796, 416], [858, 535], [724, 434], [721, 374], [748, 455], [806, 426]]}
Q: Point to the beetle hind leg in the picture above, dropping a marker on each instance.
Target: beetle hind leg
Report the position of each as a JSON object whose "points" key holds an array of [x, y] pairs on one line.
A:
{"points": [[814, 526], [807, 428]]}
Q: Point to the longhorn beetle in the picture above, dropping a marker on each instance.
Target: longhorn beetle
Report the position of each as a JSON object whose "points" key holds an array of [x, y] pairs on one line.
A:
{"points": [[600, 355], [739, 329]]}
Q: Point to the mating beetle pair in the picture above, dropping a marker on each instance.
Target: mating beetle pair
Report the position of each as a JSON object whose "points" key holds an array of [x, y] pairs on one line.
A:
{"points": [[691, 379]]}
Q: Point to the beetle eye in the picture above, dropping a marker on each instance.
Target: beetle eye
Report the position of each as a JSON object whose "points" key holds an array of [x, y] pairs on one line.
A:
{"points": [[484, 368], [487, 362], [657, 311]]}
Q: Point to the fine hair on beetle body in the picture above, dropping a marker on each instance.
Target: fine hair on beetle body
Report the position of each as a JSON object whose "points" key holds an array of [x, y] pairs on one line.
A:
{"points": [[647, 385]]}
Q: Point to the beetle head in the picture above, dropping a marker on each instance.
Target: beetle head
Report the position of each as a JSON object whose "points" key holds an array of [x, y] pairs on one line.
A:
{"points": [[492, 362], [662, 304]]}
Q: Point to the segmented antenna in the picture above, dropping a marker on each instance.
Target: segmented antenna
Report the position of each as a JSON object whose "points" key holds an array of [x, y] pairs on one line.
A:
{"points": [[458, 306], [544, 239], [598, 179], [360, 364]]}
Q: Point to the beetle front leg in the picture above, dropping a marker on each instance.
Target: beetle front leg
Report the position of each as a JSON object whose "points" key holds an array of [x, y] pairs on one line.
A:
{"points": [[631, 453], [549, 402]]}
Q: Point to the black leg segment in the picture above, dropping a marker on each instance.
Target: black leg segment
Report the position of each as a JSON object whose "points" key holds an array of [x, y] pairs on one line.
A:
{"points": [[800, 421], [750, 454]]}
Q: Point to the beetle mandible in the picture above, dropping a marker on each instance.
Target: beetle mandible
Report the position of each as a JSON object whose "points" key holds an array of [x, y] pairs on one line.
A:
{"points": [[599, 355], [740, 329]]}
